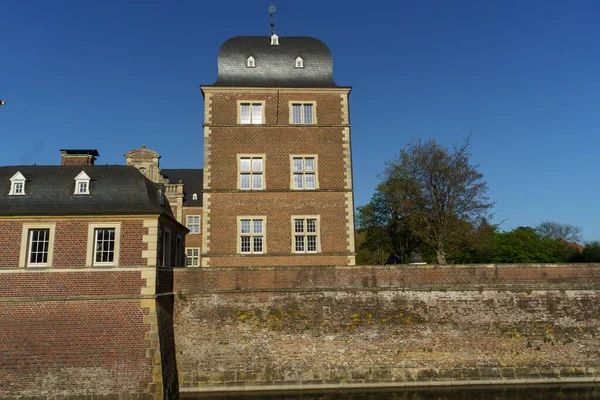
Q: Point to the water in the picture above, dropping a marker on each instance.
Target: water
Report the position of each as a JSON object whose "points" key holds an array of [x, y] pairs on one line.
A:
{"points": [[544, 392]]}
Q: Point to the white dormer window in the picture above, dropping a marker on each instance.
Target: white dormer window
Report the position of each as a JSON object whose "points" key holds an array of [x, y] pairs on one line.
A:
{"points": [[82, 183], [194, 196], [17, 185], [250, 62], [274, 40], [299, 62]]}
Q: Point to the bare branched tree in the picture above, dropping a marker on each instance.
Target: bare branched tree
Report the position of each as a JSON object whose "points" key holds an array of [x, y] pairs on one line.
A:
{"points": [[557, 230], [445, 194]]}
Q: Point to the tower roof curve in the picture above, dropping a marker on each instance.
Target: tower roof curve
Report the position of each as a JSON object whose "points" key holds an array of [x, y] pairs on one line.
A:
{"points": [[275, 65]]}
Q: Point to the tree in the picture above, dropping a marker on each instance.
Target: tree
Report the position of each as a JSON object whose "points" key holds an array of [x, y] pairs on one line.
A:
{"points": [[443, 194], [559, 231], [386, 226], [525, 245]]}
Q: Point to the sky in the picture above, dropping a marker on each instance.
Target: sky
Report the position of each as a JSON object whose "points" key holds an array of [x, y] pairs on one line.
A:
{"points": [[521, 76]]}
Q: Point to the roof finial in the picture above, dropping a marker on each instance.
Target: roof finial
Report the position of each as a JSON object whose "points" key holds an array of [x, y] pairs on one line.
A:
{"points": [[272, 14]]}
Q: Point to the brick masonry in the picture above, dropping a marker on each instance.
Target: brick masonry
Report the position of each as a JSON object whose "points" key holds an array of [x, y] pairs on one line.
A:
{"points": [[276, 140], [87, 333], [281, 326]]}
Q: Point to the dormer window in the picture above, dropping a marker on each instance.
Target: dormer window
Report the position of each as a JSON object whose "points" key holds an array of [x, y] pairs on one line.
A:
{"points": [[17, 185], [82, 183], [299, 62], [274, 40], [250, 62]]}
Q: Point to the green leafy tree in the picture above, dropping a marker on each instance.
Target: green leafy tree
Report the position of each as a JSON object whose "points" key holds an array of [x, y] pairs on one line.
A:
{"points": [[590, 253], [525, 245], [385, 224]]}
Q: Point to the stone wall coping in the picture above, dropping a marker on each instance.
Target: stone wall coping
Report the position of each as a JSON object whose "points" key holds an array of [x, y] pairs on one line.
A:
{"points": [[388, 267]]}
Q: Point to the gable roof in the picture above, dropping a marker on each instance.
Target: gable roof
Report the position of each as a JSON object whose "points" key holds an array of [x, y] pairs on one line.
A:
{"points": [[114, 189], [275, 64], [192, 183]]}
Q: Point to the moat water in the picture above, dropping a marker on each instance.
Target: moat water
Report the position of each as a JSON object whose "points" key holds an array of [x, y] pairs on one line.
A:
{"points": [[543, 392]]}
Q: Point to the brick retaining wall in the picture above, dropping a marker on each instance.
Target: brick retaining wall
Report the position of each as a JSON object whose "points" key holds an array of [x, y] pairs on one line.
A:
{"points": [[263, 328]]}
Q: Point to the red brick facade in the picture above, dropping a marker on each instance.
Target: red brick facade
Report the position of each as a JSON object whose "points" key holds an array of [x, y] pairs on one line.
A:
{"points": [[276, 141]]}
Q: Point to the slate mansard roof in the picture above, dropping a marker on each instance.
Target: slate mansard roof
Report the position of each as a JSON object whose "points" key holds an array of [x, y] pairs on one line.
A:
{"points": [[49, 190], [192, 183], [275, 64]]}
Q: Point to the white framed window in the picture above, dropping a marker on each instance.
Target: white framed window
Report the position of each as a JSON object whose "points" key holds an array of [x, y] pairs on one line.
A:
{"points": [[251, 235], [195, 196], [104, 246], [82, 183], [305, 234], [17, 185], [193, 224], [250, 62], [299, 62], [104, 241], [37, 245], [192, 256], [302, 113], [251, 169], [304, 172], [251, 112], [274, 40]]}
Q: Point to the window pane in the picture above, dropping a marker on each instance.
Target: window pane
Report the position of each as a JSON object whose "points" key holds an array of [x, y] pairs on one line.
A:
{"points": [[245, 183], [310, 181], [311, 243], [257, 164], [296, 113], [297, 181], [297, 164], [257, 181], [308, 114], [245, 226], [311, 225], [245, 113], [188, 262], [196, 220], [299, 225], [245, 244], [258, 245], [245, 164], [196, 252], [258, 226], [299, 243], [309, 164], [257, 113]]}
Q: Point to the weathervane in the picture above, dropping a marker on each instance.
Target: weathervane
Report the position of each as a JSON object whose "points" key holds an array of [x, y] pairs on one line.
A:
{"points": [[272, 14]]}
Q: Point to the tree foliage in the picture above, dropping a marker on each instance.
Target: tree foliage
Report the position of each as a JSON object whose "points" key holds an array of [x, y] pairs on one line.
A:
{"points": [[430, 198]]}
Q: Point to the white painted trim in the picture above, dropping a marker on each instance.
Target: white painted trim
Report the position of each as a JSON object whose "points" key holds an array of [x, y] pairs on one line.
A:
{"points": [[91, 246]]}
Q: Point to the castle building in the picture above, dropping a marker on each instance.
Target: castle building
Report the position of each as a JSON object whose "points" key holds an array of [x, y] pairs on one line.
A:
{"points": [[83, 215], [277, 187]]}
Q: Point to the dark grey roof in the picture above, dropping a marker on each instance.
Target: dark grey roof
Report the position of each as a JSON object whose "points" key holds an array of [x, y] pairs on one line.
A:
{"points": [[275, 65], [114, 189], [192, 183]]}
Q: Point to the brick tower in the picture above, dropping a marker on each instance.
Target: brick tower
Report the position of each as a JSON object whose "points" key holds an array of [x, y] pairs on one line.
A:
{"points": [[277, 185]]}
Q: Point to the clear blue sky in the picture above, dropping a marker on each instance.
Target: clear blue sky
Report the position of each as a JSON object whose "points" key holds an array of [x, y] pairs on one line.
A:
{"points": [[523, 76]]}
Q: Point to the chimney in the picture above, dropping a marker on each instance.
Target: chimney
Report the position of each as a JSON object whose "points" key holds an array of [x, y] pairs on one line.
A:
{"points": [[78, 157]]}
